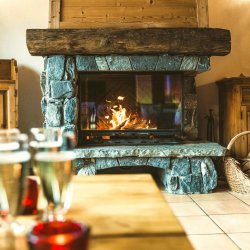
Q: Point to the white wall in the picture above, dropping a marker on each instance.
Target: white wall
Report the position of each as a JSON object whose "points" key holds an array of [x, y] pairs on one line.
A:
{"points": [[18, 15], [15, 17]]}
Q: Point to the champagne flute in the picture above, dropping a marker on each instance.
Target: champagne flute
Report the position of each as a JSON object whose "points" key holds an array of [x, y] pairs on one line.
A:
{"points": [[14, 170], [53, 160]]}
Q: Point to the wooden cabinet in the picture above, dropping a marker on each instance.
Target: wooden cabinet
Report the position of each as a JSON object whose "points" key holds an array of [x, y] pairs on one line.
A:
{"points": [[234, 113], [8, 94]]}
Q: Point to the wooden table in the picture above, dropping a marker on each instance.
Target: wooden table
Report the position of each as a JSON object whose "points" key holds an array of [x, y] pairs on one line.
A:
{"points": [[126, 212]]}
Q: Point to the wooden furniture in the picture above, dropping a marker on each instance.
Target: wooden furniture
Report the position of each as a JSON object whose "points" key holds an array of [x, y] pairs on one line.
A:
{"points": [[234, 113], [126, 212], [8, 94], [128, 14]]}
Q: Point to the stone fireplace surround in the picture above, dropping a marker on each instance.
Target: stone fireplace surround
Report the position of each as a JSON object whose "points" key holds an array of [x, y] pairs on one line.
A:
{"points": [[182, 168]]}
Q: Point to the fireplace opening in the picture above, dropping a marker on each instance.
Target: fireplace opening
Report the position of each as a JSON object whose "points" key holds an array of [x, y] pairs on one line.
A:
{"points": [[129, 107]]}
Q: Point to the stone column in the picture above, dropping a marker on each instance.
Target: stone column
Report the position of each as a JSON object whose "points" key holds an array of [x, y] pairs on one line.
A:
{"points": [[59, 89]]}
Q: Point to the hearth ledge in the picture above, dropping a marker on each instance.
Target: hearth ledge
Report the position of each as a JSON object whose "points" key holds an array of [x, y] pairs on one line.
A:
{"points": [[182, 169], [181, 150]]}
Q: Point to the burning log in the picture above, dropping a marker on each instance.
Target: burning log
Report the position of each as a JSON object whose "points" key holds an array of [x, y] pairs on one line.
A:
{"points": [[119, 120]]}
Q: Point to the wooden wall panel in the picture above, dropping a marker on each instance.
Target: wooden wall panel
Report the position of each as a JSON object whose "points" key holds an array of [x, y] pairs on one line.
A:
{"points": [[134, 14], [202, 13]]}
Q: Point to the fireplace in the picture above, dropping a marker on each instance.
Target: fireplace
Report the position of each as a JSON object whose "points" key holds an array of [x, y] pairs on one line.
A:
{"points": [[129, 107], [150, 73]]}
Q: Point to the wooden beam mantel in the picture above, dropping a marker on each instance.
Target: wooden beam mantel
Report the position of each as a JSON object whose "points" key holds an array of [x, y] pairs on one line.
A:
{"points": [[104, 41]]}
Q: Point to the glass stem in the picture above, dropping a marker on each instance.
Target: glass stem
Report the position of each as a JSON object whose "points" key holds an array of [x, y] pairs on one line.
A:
{"points": [[53, 213]]}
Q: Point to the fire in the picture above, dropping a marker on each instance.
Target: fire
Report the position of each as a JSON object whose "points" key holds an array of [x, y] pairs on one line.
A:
{"points": [[119, 118]]}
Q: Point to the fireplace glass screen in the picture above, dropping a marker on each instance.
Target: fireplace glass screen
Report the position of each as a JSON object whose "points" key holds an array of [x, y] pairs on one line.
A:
{"points": [[129, 104]]}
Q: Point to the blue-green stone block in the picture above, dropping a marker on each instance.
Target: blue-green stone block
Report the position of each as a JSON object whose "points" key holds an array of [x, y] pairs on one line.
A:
{"points": [[43, 83], [101, 63], [174, 183], [132, 161], [61, 89], [43, 105], [212, 180], [189, 63], [143, 62], [55, 67], [118, 63], [86, 63], [185, 184], [70, 110], [53, 114], [167, 62], [70, 72], [103, 163], [196, 184], [69, 128], [163, 163], [180, 166], [203, 63], [195, 165]]}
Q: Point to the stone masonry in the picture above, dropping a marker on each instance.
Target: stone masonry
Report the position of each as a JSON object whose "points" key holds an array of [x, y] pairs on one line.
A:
{"points": [[59, 82], [184, 168]]}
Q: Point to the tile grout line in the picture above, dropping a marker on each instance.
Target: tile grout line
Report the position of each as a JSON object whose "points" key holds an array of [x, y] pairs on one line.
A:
{"points": [[209, 216], [224, 233]]}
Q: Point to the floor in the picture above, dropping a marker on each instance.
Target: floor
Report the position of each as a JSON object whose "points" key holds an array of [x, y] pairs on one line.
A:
{"points": [[219, 220]]}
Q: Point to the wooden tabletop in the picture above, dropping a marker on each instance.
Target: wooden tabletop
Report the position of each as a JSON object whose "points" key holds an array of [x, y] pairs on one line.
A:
{"points": [[126, 212]]}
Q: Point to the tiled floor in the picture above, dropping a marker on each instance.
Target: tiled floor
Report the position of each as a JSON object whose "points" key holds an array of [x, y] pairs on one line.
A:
{"points": [[220, 220]]}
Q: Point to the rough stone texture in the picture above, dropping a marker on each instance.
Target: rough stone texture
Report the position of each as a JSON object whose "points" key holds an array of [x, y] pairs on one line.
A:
{"points": [[167, 62], [189, 63], [180, 150], [70, 69], [101, 63], [85, 166], [143, 62], [70, 111], [132, 161], [44, 105], [160, 162], [184, 169], [70, 128], [180, 166], [43, 84], [59, 81], [181, 180], [103, 163], [53, 116], [118, 63], [86, 63], [87, 171], [55, 67], [61, 89], [203, 63]]}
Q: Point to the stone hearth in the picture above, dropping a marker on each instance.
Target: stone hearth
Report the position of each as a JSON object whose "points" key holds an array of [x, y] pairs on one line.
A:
{"points": [[183, 168]]}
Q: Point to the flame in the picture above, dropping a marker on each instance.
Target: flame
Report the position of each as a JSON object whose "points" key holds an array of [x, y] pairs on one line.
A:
{"points": [[120, 119]]}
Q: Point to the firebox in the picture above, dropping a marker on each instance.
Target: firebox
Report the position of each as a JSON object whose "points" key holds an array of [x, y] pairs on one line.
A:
{"points": [[137, 107]]}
